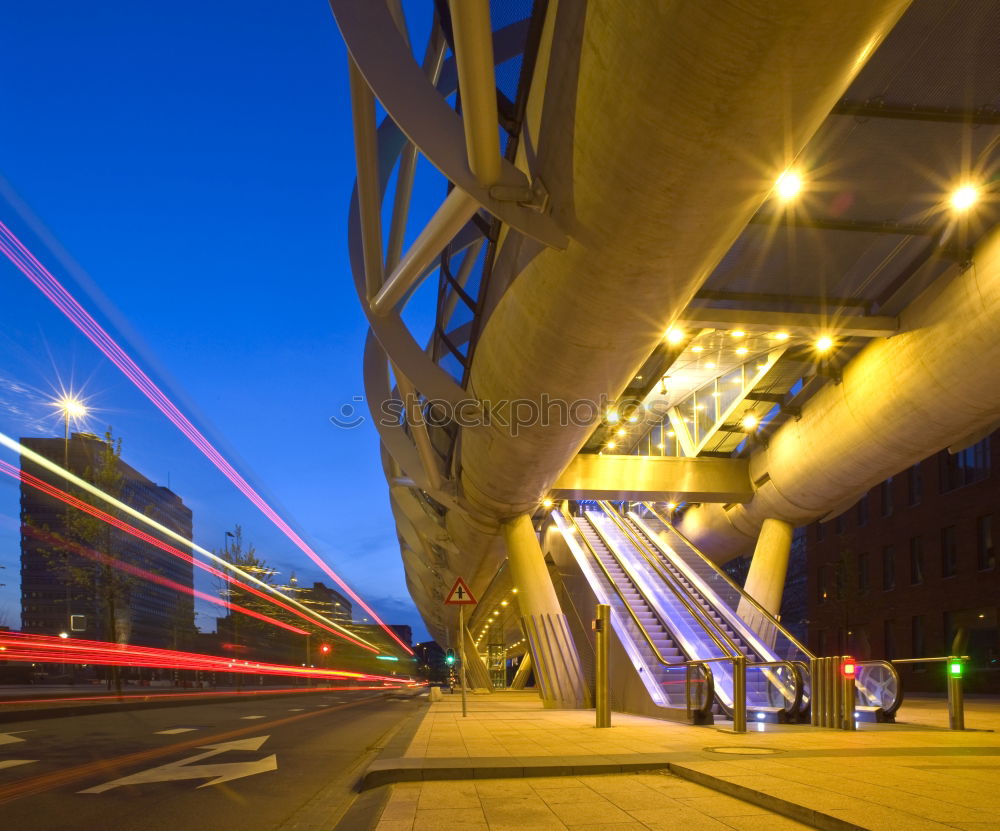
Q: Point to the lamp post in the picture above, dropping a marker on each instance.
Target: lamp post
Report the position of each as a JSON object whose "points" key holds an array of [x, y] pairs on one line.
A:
{"points": [[71, 406]]}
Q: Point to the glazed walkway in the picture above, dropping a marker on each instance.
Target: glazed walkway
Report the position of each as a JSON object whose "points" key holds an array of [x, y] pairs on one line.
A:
{"points": [[513, 765]]}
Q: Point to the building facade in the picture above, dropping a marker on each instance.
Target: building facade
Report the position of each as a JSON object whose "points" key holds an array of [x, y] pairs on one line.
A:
{"points": [[910, 570], [80, 575]]}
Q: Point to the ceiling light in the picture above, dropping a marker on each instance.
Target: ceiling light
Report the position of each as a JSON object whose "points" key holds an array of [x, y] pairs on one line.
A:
{"points": [[697, 348], [788, 185], [749, 422], [547, 503], [964, 197], [675, 335], [823, 344], [670, 435], [709, 365], [780, 335], [620, 432], [503, 602], [612, 416], [611, 445], [632, 419], [742, 350], [737, 333], [671, 506], [661, 445]]}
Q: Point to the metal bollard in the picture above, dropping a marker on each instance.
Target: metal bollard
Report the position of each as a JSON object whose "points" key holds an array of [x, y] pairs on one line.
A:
{"points": [[824, 699], [956, 698], [740, 694], [814, 686], [602, 636], [838, 694], [847, 720]]}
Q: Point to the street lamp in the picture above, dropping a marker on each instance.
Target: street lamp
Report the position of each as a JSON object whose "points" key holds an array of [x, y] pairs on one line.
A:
{"points": [[71, 407]]}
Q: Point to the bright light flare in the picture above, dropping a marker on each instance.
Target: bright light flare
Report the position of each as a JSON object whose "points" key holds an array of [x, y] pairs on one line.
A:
{"points": [[71, 406], [788, 186], [749, 422], [675, 335], [823, 344], [964, 198]]}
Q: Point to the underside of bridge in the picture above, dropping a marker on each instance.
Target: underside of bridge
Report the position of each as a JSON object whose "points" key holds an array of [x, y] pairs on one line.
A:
{"points": [[650, 277]]}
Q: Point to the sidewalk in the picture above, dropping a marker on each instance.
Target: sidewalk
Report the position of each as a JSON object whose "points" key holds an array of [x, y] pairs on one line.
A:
{"points": [[527, 768]]}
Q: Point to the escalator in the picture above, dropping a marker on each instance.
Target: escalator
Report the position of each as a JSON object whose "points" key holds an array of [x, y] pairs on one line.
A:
{"points": [[877, 691], [676, 608]]}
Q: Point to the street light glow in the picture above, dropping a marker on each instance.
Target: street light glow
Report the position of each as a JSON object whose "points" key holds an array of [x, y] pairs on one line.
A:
{"points": [[788, 186], [824, 344], [964, 198], [71, 406]]}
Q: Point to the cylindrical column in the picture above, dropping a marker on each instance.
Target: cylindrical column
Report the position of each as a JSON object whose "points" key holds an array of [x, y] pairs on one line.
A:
{"points": [[557, 665], [740, 694], [814, 687], [956, 698], [602, 637], [827, 692], [848, 695], [765, 581], [838, 693]]}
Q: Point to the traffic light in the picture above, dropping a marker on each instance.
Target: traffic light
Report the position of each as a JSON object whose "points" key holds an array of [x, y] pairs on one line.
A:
{"points": [[955, 669], [325, 649], [449, 657], [849, 668]]}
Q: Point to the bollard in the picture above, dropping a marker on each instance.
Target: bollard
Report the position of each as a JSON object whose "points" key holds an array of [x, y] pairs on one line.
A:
{"points": [[602, 637], [838, 693], [956, 699], [848, 671], [740, 694], [814, 692], [824, 700]]}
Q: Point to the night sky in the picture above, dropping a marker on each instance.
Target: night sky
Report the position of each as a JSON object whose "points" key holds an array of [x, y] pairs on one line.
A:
{"points": [[185, 170]]}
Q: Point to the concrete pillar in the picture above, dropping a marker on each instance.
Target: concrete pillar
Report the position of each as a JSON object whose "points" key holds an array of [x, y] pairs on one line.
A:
{"points": [[766, 578], [558, 675], [477, 674], [523, 671]]}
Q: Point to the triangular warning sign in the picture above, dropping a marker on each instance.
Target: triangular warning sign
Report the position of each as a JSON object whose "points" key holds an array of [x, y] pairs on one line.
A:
{"points": [[460, 595]]}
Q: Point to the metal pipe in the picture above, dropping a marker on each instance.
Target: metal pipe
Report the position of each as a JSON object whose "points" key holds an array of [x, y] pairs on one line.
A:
{"points": [[418, 430], [602, 637], [461, 653], [740, 694], [470, 22], [369, 192], [449, 219]]}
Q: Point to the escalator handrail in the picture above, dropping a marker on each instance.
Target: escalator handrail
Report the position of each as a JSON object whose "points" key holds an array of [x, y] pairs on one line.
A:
{"points": [[646, 636], [796, 673], [793, 702], [709, 676], [721, 639], [743, 594], [898, 699]]}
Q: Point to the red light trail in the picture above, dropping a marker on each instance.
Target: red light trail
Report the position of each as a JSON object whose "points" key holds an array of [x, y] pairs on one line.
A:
{"points": [[72, 501], [18, 646], [42, 278]]}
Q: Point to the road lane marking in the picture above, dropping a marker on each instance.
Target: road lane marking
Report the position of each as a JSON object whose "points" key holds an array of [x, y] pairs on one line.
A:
{"points": [[10, 738], [13, 763], [57, 778], [186, 769], [295, 709], [248, 718], [173, 731]]}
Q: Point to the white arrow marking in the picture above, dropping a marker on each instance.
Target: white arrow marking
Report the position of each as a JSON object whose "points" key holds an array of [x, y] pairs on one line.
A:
{"points": [[13, 763], [187, 769], [10, 738]]}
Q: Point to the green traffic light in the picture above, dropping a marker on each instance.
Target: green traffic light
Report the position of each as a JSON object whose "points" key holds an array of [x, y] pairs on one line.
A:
{"points": [[955, 669]]}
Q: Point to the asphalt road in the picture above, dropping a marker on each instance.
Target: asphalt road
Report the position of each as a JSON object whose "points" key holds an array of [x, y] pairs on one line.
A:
{"points": [[287, 763]]}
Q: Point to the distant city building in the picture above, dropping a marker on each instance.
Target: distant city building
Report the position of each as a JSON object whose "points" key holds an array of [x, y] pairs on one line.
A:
{"points": [[912, 565], [65, 589]]}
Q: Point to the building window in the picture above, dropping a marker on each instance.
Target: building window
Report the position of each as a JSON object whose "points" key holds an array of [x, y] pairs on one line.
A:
{"points": [[821, 588], [965, 467], [888, 568], [916, 560], [917, 636], [985, 558], [889, 639], [885, 494], [863, 510], [949, 552], [863, 572], [914, 486]]}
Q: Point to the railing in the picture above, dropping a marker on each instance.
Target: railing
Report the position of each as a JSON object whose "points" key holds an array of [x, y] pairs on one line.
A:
{"points": [[789, 688], [956, 697]]}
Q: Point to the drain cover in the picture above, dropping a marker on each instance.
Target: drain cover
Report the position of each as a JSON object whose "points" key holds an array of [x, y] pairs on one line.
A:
{"points": [[743, 751]]}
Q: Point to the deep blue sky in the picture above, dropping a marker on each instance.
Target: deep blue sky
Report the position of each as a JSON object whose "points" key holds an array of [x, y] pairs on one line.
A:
{"points": [[196, 159]]}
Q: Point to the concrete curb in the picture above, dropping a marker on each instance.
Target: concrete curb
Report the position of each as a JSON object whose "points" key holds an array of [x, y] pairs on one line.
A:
{"points": [[386, 771]]}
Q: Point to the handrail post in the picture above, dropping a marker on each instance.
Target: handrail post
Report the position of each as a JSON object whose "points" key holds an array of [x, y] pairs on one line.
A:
{"points": [[602, 634], [740, 694], [956, 698]]}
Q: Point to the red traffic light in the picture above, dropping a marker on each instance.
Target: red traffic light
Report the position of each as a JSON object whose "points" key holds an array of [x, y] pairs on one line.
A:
{"points": [[325, 648], [848, 668]]}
